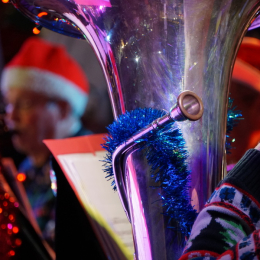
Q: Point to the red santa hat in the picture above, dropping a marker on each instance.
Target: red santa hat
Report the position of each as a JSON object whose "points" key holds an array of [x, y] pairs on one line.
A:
{"points": [[46, 68], [247, 72], [247, 65]]}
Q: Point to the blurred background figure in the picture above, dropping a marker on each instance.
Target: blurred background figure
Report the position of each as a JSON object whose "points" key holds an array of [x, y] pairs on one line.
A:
{"points": [[15, 29], [45, 93], [245, 91]]}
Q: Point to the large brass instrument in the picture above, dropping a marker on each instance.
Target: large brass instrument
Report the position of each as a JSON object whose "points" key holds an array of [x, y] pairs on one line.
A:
{"points": [[151, 51]]}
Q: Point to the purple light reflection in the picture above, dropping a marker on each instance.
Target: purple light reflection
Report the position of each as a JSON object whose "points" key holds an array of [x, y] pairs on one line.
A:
{"points": [[101, 3], [142, 241]]}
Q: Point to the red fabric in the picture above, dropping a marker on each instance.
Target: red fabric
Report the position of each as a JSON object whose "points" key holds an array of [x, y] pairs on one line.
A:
{"points": [[53, 58], [249, 51], [247, 65]]}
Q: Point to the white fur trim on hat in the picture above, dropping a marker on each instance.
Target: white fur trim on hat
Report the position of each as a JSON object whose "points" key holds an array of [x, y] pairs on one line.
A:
{"points": [[45, 82]]}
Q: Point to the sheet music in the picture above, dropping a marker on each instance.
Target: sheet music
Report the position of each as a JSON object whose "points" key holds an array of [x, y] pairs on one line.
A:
{"points": [[85, 171]]}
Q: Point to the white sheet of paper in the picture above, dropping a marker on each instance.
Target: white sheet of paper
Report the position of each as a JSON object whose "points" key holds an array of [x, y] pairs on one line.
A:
{"points": [[85, 171]]}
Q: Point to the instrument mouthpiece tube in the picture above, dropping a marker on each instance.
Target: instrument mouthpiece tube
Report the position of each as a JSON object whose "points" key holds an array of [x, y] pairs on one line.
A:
{"points": [[189, 106]]}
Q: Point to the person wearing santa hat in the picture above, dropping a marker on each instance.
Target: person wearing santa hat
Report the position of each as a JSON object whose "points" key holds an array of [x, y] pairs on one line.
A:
{"points": [[46, 93], [245, 91]]}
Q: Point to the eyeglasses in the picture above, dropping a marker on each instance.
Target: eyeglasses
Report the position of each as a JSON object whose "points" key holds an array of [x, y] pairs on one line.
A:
{"points": [[23, 105]]}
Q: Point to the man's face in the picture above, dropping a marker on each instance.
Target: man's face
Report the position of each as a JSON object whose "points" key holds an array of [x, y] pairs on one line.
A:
{"points": [[32, 117]]}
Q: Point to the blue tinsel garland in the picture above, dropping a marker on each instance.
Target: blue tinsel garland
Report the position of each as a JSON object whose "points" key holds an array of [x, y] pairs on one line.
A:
{"points": [[165, 150], [166, 154]]}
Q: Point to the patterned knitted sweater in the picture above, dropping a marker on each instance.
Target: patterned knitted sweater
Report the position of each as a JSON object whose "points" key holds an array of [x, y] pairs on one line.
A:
{"points": [[228, 227]]}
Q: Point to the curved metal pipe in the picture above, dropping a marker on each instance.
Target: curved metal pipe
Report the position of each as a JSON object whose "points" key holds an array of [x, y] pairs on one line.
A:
{"points": [[188, 107]]}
